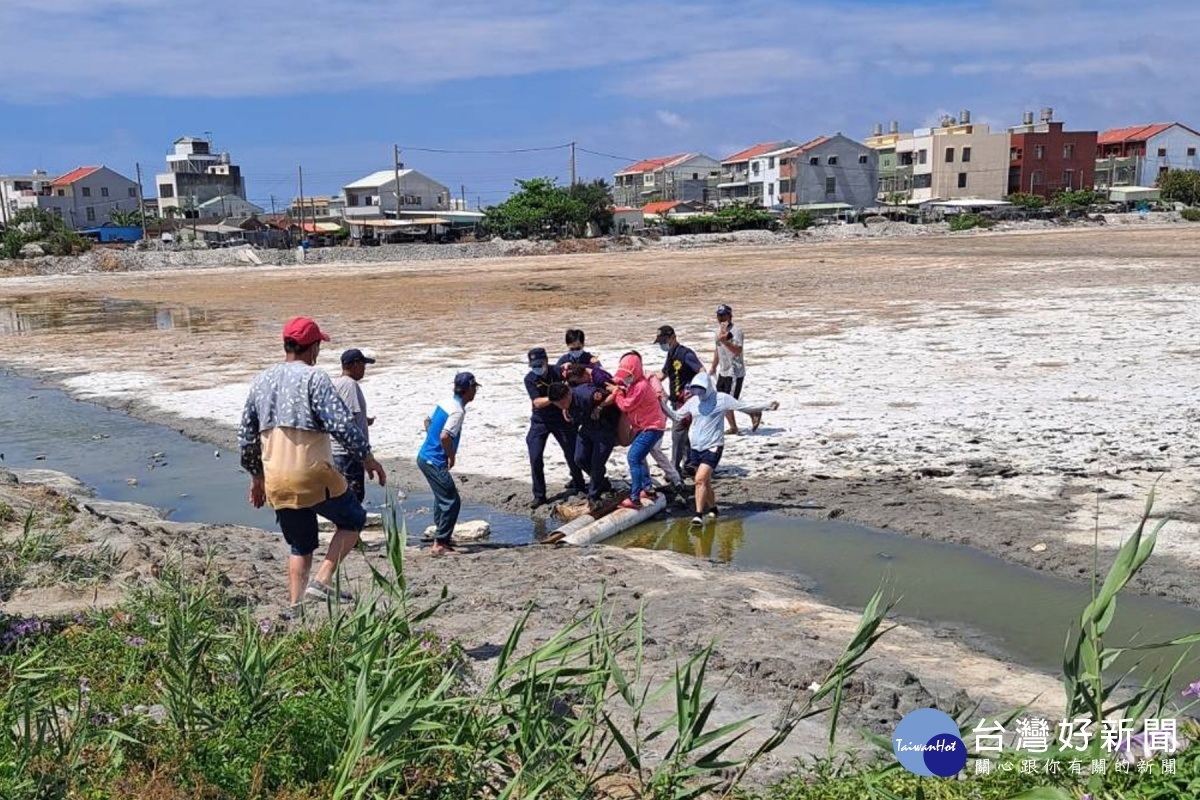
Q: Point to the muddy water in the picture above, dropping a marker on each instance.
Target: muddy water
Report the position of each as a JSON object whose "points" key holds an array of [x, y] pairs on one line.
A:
{"points": [[1024, 613], [132, 461]]}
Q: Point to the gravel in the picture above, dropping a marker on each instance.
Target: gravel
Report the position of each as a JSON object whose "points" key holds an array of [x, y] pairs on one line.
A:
{"points": [[136, 260]]}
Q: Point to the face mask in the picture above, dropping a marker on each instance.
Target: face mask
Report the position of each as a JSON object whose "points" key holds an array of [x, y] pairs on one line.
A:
{"points": [[628, 381], [540, 371], [666, 348]]}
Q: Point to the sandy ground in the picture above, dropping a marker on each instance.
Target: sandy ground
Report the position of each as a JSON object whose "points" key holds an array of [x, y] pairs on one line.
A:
{"points": [[998, 390]]}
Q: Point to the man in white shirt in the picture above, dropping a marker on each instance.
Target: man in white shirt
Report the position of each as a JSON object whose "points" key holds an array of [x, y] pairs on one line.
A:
{"points": [[354, 368], [729, 363]]}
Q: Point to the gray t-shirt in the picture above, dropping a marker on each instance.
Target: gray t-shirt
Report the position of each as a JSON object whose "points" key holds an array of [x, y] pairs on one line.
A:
{"points": [[728, 364], [352, 395]]}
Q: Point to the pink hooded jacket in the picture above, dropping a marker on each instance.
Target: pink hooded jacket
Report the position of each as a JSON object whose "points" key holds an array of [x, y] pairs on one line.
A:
{"points": [[639, 400]]}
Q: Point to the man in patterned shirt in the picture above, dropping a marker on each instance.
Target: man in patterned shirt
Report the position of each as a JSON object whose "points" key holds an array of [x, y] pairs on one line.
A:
{"points": [[289, 417]]}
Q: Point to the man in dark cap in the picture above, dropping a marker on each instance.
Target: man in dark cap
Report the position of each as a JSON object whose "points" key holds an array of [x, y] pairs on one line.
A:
{"points": [[438, 455], [681, 366], [545, 421], [354, 367]]}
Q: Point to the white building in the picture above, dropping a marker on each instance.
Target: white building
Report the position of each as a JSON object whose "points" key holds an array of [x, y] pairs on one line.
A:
{"points": [[16, 189], [196, 175], [226, 206], [375, 196], [954, 161]]}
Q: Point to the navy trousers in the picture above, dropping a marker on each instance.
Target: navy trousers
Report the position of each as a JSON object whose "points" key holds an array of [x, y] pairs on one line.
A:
{"points": [[535, 440], [591, 456]]}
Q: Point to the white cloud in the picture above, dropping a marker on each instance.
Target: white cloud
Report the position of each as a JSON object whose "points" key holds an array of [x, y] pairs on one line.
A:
{"points": [[672, 120]]}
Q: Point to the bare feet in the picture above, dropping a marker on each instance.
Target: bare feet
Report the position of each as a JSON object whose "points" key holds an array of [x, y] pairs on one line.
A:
{"points": [[732, 431], [442, 550], [756, 420]]}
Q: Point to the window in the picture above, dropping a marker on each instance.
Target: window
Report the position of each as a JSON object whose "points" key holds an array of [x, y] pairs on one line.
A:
{"points": [[831, 161], [771, 162], [695, 176], [771, 190], [754, 167], [863, 159], [830, 186], [1191, 151], [966, 155], [104, 191], [1014, 154], [1039, 152], [351, 200], [132, 192], [906, 159], [91, 214], [1068, 151], [1163, 171], [923, 181], [369, 201], [1068, 179], [61, 193], [648, 179], [1162, 152], [166, 190], [87, 191], [949, 155], [1035, 179], [922, 156], [814, 161], [785, 186], [962, 180]]}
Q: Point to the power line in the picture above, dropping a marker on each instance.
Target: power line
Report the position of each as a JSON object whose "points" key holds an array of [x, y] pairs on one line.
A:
{"points": [[608, 155], [486, 152]]}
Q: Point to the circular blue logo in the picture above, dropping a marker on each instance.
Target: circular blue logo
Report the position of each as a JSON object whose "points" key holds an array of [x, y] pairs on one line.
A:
{"points": [[927, 742]]}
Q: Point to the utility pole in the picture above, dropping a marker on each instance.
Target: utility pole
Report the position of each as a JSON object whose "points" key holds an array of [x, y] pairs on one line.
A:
{"points": [[300, 177], [272, 205], [462, 192], [3, 204], [141, 199], [572, 163], [396, 168]]}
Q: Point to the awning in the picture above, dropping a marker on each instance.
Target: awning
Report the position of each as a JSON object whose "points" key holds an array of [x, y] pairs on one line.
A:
{"points": [[322, 227], [1129, 194], [425, 221], [824, 207], [375, 223], [969, 202]]}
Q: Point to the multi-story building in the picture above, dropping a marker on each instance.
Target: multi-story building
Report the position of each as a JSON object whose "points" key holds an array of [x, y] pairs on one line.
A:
{"points": [[378, 197], [83, 197], [319, 207], [828, 170], [1137, 155], [956, 160], [13, 188], [893, 182], [196, 175], [1045, 160], [690, 177], [742, 174]]}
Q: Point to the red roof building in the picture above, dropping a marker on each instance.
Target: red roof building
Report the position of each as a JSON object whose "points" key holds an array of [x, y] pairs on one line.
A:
{"points": [[683, 176], [77, 174], [1138, 154]]}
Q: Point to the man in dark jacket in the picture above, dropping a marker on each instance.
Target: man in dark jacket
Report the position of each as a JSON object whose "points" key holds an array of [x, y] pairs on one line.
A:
{"points": [[681, 366], [597, 429], [547, 420]]}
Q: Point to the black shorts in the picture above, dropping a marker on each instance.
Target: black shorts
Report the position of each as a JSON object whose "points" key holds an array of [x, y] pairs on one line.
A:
{"points": [[354, 473], [299, 525], [709, 457], [730, 385]]}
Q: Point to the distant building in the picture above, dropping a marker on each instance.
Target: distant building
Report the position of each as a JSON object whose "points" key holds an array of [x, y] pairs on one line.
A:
{"points": [[14, 188], [376, 195], [683, 176], [828, 170], [1044, 159], [627, 218], [1137, 155], [956, 160], [226, 206], [196, 175], [743, 178], [319, 207], [891, 182], [83, 197]]}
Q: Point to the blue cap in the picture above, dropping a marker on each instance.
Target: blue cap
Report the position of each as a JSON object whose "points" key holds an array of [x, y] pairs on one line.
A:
{"points": [[537, 356], [353, 356], [464, 382]]}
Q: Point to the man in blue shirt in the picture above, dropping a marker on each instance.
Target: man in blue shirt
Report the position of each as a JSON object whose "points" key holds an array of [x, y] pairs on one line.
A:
{"points": [[597, 429], [681, 366], [545, 421], [437, 456], [575, 353]]}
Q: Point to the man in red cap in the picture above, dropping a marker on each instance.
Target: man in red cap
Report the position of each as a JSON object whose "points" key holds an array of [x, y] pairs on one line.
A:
{"points": [[289, 417]]}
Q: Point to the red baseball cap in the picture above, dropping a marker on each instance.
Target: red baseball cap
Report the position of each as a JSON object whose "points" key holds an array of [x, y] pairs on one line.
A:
{"points": [[303, 331]]}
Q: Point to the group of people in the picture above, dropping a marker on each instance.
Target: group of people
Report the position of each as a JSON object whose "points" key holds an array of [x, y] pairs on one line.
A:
{"points": [[305, 437], [589, 412]]}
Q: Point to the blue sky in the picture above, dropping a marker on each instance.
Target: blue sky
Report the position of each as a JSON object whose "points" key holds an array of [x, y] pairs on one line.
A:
{"points": [[332, 84]]}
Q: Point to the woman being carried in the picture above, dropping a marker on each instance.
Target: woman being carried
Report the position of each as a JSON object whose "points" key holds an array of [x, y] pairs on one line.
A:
{"points": [[639, 401]]}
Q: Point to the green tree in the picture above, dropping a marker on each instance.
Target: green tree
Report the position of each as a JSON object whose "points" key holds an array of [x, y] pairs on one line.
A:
{"points": [[1180, 186], [540, 208], [800, 219], [125, 218], [49, 230], [1026, 200], [1080, 198]]}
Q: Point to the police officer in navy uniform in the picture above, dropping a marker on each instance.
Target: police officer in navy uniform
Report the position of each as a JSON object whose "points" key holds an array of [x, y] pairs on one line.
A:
{"points": [[681, 366], [547, 420]]}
